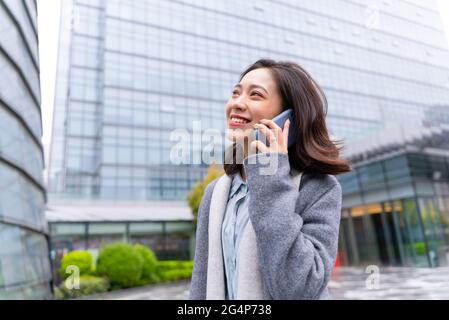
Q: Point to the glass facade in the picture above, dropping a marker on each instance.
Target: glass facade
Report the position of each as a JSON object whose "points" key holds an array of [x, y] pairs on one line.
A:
{"points": [[396, 212], [131, 71], [24, 256]]}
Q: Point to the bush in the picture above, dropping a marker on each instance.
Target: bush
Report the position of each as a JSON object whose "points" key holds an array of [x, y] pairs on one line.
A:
{"points": [[121, 263], [420, 248], [171, 270], [88, 285], [150, 262], [175, 264], [82, 259], [176, 274], [195, 195]]}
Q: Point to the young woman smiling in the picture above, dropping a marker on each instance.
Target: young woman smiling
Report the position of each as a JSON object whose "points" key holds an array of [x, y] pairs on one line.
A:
{"points": [[271, 236]]}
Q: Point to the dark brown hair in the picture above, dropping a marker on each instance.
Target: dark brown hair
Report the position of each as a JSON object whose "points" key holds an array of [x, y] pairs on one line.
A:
{"points": [[313, 151]]}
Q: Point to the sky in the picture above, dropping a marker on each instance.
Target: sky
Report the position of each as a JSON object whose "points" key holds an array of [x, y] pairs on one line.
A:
{"points": [[48, 26]]}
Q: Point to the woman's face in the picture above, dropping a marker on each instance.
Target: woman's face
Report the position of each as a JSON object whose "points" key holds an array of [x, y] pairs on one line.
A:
{"points": [[256, 97]]}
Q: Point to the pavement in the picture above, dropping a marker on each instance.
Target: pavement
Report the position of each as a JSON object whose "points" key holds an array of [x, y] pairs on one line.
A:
{"points": [[390, 283], [372, 283], [178, 290]]}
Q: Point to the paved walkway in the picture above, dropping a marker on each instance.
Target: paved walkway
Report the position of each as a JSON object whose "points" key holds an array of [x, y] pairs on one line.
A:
{"points": [[346, 283], [393, 283], [178, 290]]}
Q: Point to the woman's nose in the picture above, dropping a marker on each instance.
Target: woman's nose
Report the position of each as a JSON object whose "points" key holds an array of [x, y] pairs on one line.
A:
{"points": [[240, 107], [239, 103]]}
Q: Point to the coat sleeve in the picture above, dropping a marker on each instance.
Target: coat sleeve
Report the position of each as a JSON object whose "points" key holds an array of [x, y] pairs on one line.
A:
{"points": [[296, 230], [199, 273]]}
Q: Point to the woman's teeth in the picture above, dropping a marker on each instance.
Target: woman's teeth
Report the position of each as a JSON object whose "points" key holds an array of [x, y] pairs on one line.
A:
{"points": [[239, 120]]}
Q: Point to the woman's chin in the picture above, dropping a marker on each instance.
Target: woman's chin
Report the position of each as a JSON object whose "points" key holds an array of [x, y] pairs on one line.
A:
{"points": [[239, 135]]}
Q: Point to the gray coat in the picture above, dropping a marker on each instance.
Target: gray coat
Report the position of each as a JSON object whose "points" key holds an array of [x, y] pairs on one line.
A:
{"points": [[296, 232]]}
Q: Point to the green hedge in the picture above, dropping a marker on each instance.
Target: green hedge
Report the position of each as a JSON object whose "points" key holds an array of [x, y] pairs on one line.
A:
{"points": [[149, 267], [421, 248], [88, 285], [121, 263], [82, 259], [172, 270]]}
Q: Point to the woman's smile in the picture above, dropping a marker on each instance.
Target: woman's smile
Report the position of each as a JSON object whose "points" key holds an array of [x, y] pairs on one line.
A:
{"points": [[237, 121]]}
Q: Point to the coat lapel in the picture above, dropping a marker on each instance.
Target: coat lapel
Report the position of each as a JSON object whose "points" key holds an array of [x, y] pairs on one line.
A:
{"points": [[249, 281], [215, 267]]}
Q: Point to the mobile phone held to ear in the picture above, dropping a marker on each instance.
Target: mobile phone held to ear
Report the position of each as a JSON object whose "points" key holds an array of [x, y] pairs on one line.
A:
{"points": [[280, 121]]}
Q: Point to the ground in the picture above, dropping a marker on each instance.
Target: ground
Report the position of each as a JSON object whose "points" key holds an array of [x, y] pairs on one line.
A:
{"points": [[346, 283]]}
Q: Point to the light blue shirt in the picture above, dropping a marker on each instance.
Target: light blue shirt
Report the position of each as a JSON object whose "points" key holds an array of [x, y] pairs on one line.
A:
{"points": [[235, 219]]}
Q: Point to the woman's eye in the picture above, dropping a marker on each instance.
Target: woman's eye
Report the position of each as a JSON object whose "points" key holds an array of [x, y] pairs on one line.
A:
{"points": [[234, 92], [256, 93]]}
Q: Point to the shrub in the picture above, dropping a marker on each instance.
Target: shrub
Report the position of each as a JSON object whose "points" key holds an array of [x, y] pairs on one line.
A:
{"points": [[150, 262], [195, 195], [82, 259], [176, 274], [175, 264], [121, 263], [171, 270], [88, 285], [420, 248]]}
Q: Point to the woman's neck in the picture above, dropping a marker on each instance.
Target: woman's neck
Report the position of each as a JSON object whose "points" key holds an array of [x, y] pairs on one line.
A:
{"points": [[242, 173]]}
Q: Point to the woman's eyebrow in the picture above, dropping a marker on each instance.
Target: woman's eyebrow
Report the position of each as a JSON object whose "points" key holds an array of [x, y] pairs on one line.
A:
{"points": [[238, 85]]}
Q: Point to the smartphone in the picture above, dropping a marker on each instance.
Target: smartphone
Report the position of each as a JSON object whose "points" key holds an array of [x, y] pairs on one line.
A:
{"points": [[280, 120]]}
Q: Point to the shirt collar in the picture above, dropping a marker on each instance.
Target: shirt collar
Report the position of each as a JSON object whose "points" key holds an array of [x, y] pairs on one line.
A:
{"points": [[237, 181]]}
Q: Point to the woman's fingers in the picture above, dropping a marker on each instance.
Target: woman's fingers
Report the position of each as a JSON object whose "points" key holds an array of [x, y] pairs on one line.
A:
{"points": [[267, 132], [277, 137], [271, 124], [277, 132]]}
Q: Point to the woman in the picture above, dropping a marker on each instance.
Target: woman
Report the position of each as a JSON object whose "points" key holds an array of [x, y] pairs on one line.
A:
{"points": [[271, 235]]}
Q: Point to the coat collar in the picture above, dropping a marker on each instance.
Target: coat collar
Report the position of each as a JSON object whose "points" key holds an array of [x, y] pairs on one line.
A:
{"points": [[250, 273]]}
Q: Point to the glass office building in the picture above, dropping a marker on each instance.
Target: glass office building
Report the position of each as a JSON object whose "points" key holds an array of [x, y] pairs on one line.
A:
{"points": [[131, 71], [24, 256], [396, 200]]}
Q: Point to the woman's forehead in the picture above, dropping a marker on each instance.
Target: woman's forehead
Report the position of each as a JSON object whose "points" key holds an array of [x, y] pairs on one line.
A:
{"points": [[261, 76]]}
